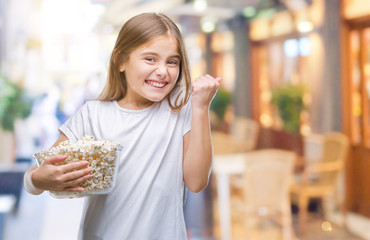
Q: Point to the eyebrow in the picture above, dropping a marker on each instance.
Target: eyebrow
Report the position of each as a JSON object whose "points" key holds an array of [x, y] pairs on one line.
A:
{"points": [[157, 55]]}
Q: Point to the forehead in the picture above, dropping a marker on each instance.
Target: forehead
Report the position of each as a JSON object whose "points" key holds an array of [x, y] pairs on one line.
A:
{"points": [[161, 43]]}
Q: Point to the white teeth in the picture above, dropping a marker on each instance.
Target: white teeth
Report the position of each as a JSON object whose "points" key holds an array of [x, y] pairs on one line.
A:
{"points": [[156, 84]]}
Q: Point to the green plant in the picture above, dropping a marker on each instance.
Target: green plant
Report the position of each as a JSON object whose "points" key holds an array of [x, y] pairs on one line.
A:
{"points": [[220, 103], [288, 99], [14, 104]]}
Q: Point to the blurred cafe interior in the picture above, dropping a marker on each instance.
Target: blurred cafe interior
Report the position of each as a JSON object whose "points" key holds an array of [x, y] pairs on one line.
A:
{"points": [[290, 123]]}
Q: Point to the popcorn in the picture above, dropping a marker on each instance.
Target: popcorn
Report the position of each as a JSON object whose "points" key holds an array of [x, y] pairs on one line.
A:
{"points": [[101, 155]]}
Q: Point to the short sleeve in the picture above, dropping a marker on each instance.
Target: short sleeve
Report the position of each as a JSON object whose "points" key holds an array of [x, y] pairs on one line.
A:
{"points": [[76, 126], [187, 120]]}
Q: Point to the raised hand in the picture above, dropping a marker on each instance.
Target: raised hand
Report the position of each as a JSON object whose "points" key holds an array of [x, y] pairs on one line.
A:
{"points": [[60, 178], [204, 90]]}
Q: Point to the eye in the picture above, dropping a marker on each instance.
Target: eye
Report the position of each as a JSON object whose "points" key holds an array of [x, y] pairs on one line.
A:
{"points": [[150, 59], [173, 62]]}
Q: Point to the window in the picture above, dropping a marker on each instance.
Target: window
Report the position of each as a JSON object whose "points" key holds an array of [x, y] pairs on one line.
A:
{"points": [[277, 62], [360, 85]]}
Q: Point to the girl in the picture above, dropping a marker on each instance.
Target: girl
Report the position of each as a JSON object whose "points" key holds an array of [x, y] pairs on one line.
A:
{"points": [[149, 106]]}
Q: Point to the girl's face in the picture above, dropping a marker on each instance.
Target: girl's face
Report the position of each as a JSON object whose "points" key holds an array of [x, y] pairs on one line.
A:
{"points": [[151, 72]]}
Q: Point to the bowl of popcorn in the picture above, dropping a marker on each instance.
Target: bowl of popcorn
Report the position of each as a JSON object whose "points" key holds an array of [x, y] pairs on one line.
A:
{"points": [[102, 156]]}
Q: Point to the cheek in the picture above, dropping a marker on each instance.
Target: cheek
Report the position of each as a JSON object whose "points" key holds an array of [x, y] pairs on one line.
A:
{"points": [[175, 74]]}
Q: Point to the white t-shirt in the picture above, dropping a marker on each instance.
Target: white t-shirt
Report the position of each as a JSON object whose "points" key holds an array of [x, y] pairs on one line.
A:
{"points": [[147, 200]]}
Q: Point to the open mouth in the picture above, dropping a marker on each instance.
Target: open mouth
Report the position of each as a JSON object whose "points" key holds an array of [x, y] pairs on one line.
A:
{"points": [[155, 83]]}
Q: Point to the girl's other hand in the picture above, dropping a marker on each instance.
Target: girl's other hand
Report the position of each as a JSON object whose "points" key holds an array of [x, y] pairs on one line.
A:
{"points": [[204, 90], [63, 178]]}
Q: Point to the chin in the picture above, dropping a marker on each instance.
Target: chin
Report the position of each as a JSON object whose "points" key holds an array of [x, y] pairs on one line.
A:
{"points": [[156, 99]]}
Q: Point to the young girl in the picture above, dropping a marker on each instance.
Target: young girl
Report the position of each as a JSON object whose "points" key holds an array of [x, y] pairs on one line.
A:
{"points": [[149, 106]]}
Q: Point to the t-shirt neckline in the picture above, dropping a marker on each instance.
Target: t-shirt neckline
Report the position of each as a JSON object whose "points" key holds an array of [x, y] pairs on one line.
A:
{"points": [[135, 110]]}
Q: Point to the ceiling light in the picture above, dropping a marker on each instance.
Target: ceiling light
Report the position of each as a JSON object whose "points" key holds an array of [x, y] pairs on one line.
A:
{"points": [[200, 5], [208, 24]]}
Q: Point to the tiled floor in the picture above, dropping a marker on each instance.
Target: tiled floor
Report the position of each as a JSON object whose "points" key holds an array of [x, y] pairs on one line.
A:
{"points": [[314, 232], [317, 227], [45, 218]]}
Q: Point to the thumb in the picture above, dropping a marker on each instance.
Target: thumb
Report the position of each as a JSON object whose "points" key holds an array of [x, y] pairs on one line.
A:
{"points": [[55, 159], [218, 79]]}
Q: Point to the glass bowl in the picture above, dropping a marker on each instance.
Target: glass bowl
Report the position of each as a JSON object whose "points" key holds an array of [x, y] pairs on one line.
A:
{"points": [[103, 158]]}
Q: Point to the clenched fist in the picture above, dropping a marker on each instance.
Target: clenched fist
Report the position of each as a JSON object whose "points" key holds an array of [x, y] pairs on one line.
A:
{"points": [[204, 90]]}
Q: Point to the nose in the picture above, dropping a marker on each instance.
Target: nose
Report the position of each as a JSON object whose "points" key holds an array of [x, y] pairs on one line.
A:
{"points": [[161, 70]]}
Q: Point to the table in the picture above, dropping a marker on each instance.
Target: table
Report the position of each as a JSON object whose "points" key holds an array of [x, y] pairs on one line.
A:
{"points": [[223, 167]]}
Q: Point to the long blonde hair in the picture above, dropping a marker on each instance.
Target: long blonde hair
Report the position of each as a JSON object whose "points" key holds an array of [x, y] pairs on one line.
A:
{"points": [[133, 34]]}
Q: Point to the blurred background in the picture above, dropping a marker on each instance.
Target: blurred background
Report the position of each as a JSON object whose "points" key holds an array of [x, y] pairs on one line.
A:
{"points": [[290, 123]]}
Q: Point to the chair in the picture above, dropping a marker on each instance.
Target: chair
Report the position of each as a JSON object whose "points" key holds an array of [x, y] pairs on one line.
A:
{"points": [[245, 130], [224, 143], [266, 190], [243, 137], [312, 148], [320, 178], [11, 180]]}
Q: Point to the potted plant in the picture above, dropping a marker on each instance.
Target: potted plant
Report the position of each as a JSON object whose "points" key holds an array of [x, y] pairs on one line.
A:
{"points": [[288, 99], [14, 104], [218, 108]]}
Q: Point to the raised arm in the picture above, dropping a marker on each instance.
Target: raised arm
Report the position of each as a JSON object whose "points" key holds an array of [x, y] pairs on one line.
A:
{"points": [[56, 178], [198, 151]]}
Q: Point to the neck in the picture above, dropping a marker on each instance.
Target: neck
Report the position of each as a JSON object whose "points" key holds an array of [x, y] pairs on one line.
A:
{"points": [[134, 105]]}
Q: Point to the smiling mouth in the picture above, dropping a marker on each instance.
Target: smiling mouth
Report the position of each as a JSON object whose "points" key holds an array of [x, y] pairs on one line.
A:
{"points": [[156, 84]]}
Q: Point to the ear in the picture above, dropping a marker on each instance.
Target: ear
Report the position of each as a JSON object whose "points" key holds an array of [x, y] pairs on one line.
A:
{"points": [[122, 68]]}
